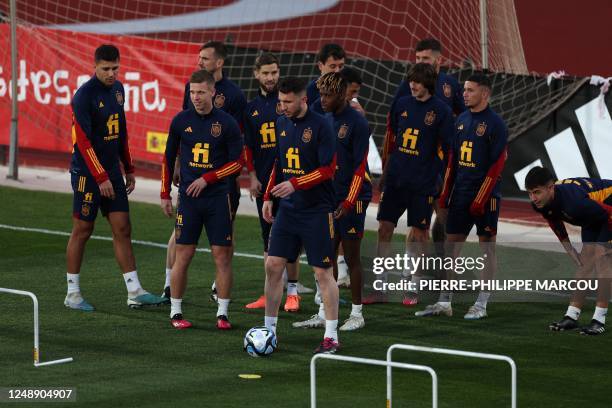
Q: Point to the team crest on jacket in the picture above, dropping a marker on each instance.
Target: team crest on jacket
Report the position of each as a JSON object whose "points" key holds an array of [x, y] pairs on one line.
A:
{"points": [[430, 117], [219, 101], [119, 97], [343, 131], [215, 129], [481, 129], [448, 90], [279, 110], [307, 135]]}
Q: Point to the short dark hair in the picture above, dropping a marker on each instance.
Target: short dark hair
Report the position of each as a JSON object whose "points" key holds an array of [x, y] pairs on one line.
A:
{"points": [[219, 47], [333, 82], [202, 76], [292, 84], [331, 50], [429, 44], [481, 79], [538, 177], [351, 75], [424, 74], [267, 58], [106, 52]]}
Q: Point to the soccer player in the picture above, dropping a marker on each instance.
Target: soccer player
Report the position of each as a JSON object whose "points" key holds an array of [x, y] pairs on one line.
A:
{"points": [[585, 202], [211, 147], [306, 164], [100, 146], [447, 88], [471, 189], [229, 98], [261, 150], [421, 127], [330, 59], [352, 183]]}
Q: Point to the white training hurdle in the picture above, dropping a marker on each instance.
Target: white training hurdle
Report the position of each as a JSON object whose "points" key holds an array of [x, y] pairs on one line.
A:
{"points": [[37, 362], [369, 361], [460, 353]]}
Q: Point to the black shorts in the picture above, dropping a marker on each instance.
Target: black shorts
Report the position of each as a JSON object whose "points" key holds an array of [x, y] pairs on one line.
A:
{"points": [[212, 213], [313, 230], [265, 226], [234, 194], [460, 221], [351, 226], [395, 201], [87, 200]]}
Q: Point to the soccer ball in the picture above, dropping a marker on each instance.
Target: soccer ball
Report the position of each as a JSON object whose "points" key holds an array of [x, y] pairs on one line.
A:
{"points": [[259, 341]]}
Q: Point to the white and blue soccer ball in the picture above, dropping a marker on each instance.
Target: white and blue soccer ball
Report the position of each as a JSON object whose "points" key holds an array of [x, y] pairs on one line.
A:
{"points": [[259, 341]]}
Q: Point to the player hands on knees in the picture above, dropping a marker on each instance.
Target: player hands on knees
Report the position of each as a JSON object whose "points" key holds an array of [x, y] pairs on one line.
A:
{"points": [[587, 203]]}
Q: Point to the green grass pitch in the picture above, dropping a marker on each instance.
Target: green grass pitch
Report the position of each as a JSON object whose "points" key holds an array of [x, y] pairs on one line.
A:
{"points": [[125, 357]]}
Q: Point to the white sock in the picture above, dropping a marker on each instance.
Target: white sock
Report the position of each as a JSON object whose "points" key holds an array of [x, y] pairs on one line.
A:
{"points": [[131, 281], [318, 287], [600, 314], [356, 310], [73, 283], [483, 298], [341, 259], [270, 322], [331, 329], [573, 312], [175, 306], [222, 309], [445, 298], [292, 288], [168, 273], [322, 311]]}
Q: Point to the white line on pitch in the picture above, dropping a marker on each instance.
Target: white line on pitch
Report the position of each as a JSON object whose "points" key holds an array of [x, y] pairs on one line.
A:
{"points": [[134, 241]]}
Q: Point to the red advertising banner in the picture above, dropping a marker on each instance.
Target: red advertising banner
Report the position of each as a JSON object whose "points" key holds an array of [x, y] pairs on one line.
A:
{"points": [[54, 63]]}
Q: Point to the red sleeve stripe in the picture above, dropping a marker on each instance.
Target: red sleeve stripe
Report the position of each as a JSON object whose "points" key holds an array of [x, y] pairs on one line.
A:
{"points": [[357, 182], [270, 184], [248, 158], [355, 189], [226, 171], [94, 160], [492, 175], [165, 180], [483, 189], [447, 176], [128, 164], [309, 177]]}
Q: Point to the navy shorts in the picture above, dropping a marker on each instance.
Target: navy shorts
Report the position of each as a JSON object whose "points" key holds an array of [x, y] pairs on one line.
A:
{"points": [[351, 226], [460, 221], [313, 230], [394, 201], [265, 226], [212, 213], [234, 194], [87, 199]]}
